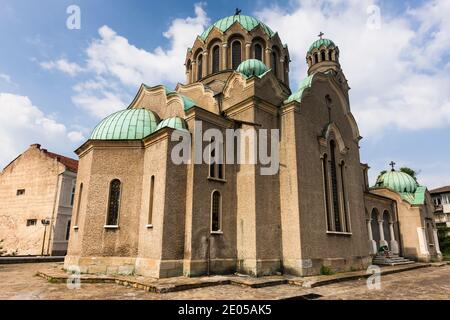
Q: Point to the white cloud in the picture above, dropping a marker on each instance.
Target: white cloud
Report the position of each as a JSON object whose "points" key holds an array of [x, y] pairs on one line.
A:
{"points": [[6, 78], [395, 72], [62, 65], [76, 136], [21, 121]]}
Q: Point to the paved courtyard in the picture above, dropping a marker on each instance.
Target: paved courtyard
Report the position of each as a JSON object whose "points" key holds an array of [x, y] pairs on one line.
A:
{"points": [[21, 282]]}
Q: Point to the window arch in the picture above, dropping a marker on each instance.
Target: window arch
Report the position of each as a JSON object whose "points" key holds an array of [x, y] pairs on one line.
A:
{"points": [[236, 54], [216, 212], [316, 58], [258, 52], [275, 62], [330, 55], [323, 55], [344, 198], [114, 203], [334, 188], [326, 190], [215, 59], [200, 67]]}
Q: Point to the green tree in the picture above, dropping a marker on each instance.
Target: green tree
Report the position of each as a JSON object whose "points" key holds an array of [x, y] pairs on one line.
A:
{"points": [[381, 173], [413, 173]]}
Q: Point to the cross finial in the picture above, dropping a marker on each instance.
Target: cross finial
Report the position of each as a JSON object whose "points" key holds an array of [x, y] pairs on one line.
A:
{"points": [[392, 164], [321, 34], [238, 12]]}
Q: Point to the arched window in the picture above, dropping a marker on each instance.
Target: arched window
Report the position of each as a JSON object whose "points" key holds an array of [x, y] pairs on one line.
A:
{"points": [[212, 162], [216, 167], [68, 230], [316, 58], [236, 54], [258, 52], [334, 188], [80, 193], [330, 55], [326, 190], [216, 212], [216, 59], [200, 67], [344, 198], [150, 201], [323, 55], [275, 63], [113, 203]]}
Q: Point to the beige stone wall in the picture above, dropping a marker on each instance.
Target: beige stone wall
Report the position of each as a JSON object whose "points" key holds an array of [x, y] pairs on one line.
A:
{"points": [[45, 197]]}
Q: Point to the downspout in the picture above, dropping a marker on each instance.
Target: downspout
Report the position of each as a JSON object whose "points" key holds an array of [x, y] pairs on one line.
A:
{"points": [[55, 206]]}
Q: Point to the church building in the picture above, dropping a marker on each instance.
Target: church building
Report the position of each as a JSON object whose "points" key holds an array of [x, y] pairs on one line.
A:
{"points": [[138, 212]]}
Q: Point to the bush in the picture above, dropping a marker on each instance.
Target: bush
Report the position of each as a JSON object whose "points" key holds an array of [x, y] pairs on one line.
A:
{"points": [[445, 245], [326, 271]]}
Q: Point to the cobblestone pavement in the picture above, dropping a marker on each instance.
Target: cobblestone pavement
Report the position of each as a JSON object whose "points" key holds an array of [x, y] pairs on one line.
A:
{"points": [[21, 282]]}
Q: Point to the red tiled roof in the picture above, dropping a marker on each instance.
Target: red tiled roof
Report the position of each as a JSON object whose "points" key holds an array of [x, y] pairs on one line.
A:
{"points": [[441, 190], [71, 164]]}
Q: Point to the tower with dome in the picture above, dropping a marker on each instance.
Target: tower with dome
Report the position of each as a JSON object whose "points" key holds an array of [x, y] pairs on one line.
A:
{"points": [[138, 211]]}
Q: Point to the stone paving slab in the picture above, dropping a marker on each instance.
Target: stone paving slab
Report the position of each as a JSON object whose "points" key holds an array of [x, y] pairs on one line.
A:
{"points": [[184, 283]]}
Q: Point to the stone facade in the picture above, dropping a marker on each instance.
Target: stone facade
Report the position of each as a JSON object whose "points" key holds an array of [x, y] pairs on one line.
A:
{"points": [[37, 185]]}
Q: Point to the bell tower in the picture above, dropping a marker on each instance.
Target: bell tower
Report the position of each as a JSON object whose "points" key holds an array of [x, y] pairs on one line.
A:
{"points": [[322, 56]]}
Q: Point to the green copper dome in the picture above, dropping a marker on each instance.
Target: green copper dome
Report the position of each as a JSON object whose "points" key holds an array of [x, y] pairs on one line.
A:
{"points": [[305, 84], [397, 181], [252, 67], [174, 123], [130, 124], [247, 22], [321, 42]]}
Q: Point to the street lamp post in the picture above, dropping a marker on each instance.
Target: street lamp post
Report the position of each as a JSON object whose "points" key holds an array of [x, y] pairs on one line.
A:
{"points": [[45, 222]]}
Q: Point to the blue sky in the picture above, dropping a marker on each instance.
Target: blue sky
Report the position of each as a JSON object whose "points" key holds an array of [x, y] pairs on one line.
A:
{"points": [[56, 84]]}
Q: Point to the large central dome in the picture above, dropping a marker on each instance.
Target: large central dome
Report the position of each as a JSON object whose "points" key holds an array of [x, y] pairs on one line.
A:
{"points": [[247, 22]]}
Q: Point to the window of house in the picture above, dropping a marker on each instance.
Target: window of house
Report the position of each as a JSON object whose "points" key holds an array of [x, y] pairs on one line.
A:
{"points": [[20, 192], [216, 212], [216, 59], [113, 203], [275, 63], [216, 166], [200, 68], [236, 54], [31, 222], [258, 52], [68, 230], [323, 56], [316, 58], [330, 55], [334, 188], [151, 199], [72, 196]]}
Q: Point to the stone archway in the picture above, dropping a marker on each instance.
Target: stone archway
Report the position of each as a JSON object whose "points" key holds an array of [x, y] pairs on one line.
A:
{"points": [[375, 231]]}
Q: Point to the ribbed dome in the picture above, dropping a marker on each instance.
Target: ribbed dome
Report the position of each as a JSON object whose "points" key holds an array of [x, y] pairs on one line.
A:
{"points": [[174, 123], [321, 42], [398, 181], [252, 67], [247, 22], [130, 124]]}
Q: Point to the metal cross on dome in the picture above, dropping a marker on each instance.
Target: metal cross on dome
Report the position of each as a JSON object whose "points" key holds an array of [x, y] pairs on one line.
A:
{"points": [[392, 164], [238, 12], [321, 34]]}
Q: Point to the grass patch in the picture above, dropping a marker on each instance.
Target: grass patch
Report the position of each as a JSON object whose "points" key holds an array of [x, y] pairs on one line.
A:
{"points": [[326, 271]]}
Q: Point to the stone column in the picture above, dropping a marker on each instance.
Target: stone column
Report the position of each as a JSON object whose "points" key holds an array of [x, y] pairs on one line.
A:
{"points": [[383, 242], [248, 51], [267, 58], [224, 56], [394, 244], [205, 64], [372, 243]]}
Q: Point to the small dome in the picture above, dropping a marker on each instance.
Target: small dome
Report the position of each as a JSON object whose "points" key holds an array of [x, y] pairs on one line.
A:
{"points": [[247, 22], [397, 181], [321, 42], [130, 124], [252, 67], [174, 123]]}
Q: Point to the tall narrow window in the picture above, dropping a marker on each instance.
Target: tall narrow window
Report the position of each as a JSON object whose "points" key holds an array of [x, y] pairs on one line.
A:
{"points": [[68, 230], [275, 63], [316, 58], [323, 56], [212, 162], [150, 204], [72, 196], [326, 190], [216, 212], [80, 193], [258, 52], [216, 59], [114, 203], [199, 67], [330, 55], [236, 54], [344, 198], [334, 187]]}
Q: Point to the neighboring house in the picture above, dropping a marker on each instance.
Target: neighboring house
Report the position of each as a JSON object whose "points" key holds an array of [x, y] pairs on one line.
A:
{"points": [[441, 200], [36, 198]]}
